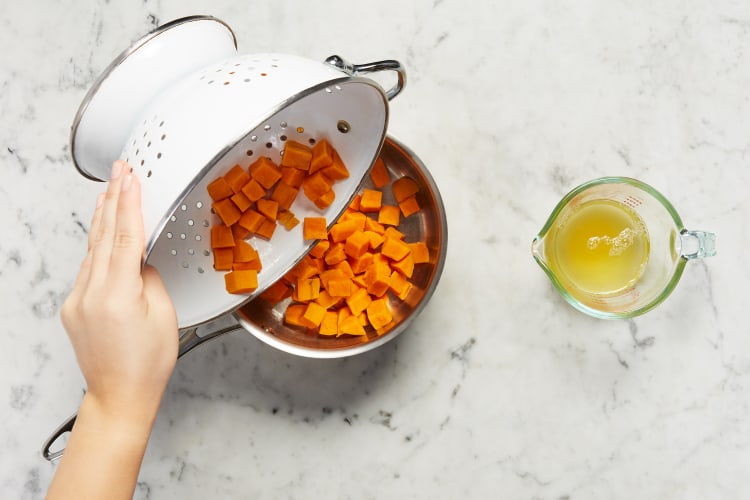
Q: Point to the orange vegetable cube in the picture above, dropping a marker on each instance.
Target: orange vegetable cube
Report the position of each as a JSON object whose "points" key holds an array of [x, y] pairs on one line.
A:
{"points": [[296, 155], [350, 325], [405, 266], [379, 313], [340, 287], [239, 232], [322, 156], [375, 239], [227, 211], [377, 280], [287, 219], [404, 188], [221, 236], [269, 208], [219, 189], [313, 315], [330, 274], [307, 289], [276, 292], [409, 206], [241, 281], [243, 266], [345, 268], [395, 249], [336, 170], [358, 217], [327, 300], [293, 176], [293, 314], [326, 199], [335, 254], [236, 178], [342, 230], [320, 248], [371, 200], [244, 252], [314, 228], [316, 185], [354, 204], [357, 244], [389, 215], [329, 324], [265, 172], [419, 252], [266, 229], [241, 201], [358, 281], [223, 259], [393, 233], [405, 292], [284, 195], [360, 264], [358, 301], [253, 190], [397, 283], [251, 220], [379, 174], [374, 226]]}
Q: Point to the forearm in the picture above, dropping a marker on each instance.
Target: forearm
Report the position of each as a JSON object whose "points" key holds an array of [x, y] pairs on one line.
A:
{"points": [[104, 452]]}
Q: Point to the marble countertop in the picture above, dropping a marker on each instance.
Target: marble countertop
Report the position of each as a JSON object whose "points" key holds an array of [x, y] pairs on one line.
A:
{"points": [[499, 389]]}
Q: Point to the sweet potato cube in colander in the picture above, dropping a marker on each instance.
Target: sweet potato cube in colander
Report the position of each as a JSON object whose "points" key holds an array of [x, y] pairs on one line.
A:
{"points": [[322, 156], [251, 220], [314, 228], [316, 186], [219, 189], [239, 232], [241, 201], [221, 236], [287, 219], [325, 199], [371, 200], [223, 259], [244, 252], [409, 206], [243, 281], [296, 155], [265, 171], [389, 215], [336, 170], [284, 195], [404, 187], [227, 211], [266, 229], [379, 174], [236, 178], [269, 208], [293, 176], [253, 190]]}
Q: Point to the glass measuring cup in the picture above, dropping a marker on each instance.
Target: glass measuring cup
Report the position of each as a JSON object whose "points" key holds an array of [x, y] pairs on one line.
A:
{"points": [[642, 258]]}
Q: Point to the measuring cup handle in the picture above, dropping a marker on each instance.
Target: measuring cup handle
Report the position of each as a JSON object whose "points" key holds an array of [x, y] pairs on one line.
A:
{"points": [[697, 244], [189, 340], [362, 69]]}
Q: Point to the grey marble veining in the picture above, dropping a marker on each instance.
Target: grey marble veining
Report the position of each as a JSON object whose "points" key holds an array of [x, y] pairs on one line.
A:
{"points": [[499, 389]]}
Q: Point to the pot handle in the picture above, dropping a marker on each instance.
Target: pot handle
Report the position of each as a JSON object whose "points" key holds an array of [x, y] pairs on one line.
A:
{"points": [[189, 339], [362, 69]]}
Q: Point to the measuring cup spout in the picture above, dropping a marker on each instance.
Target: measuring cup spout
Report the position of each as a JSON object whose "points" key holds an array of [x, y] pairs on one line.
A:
{"points": [[697, 244], [537, 250]]}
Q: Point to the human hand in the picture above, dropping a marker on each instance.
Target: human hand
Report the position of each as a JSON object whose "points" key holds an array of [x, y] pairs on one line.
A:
{"points": [[119, 318]]}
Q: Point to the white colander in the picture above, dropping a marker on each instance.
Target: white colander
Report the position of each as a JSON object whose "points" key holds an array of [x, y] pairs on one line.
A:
{"points": [[182, 108]]}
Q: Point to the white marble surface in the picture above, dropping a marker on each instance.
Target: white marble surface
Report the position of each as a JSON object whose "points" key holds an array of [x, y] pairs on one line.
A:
{"points": [[500, 389]]}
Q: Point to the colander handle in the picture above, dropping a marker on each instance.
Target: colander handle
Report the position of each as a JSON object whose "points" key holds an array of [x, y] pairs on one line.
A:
{"points": [[363, 69], [189, 340]]}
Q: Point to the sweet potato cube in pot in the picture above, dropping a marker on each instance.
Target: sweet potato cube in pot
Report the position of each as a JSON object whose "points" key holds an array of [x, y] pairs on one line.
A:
{"points": [[379, 313], [404, 188], [371, 200], [379, 174]]}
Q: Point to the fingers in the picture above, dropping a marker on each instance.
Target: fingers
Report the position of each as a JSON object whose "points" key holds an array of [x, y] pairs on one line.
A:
{"points": [[129, 240], [83, 273]]}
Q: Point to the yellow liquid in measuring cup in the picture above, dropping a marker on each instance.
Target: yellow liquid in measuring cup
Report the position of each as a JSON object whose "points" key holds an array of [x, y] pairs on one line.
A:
{"points": [[602, 247]]}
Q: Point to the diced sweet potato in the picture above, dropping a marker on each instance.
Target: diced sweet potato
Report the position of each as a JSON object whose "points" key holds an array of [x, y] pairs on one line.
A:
{"points": [[340, 287], [227, 211], [379, 313], [357, 244], [241, 201], [316, 185], [296, 155], [342, 230], [409, 206], [251, 220], [371, 200], [241, 281], [253, 190], [219, 189], [307, 289], [389, 215], [265, 172], [223, 259], [236, 178], [322, 156], [405, 266], [266, 229], [293, 314], [336, 170], [326, 199], [314, 228], [404, 187], [276, 292], [269, 208], [395, 249], [221, 236], [293, 176], [320, 248], [287, 219], [244, 252], [335, 254], [358, 301], [379, 174], [284, 195], [419, 252], [329, 324]]}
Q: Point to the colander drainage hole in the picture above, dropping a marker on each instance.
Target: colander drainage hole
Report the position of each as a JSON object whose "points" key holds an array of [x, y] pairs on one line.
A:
{"points": [[173, 252], [249, 152], [206, 253], [185, 264], [200, 270]]}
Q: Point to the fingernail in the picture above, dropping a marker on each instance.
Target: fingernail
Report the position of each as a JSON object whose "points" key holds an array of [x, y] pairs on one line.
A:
{"points": [[126, 182], [99, 200], [116, 170]]}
